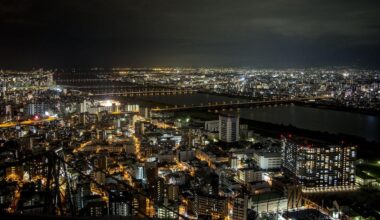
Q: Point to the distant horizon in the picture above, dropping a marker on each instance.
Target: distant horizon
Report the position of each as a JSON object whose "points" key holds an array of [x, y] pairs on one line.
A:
{"points": [[114, 68]]}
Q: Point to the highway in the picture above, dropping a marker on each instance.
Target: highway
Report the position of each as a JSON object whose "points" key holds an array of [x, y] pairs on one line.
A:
{"points": [[27, 122]]}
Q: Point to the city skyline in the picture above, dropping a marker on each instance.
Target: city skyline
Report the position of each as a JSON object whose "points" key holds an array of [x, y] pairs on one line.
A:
{"points": [[190, 110]]}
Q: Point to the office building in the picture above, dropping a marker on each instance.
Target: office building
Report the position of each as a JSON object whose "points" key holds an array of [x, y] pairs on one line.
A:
{"points": [[228, 128]]}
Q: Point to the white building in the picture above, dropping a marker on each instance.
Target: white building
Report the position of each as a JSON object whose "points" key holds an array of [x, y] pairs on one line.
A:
{"points": [[140, 172], [228, 128], [132, 108], [268, 160], [235, 163], [247, 175]]}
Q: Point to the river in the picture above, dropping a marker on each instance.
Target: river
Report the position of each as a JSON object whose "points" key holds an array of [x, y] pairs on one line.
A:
{"points": [[362, 125]]}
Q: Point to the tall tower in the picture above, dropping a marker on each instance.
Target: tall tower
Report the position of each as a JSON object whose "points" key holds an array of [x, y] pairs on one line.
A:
{"points": [[228, 128]]}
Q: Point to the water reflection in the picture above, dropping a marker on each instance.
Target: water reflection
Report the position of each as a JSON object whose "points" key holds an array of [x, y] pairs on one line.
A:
{"points": [[362, 125]]}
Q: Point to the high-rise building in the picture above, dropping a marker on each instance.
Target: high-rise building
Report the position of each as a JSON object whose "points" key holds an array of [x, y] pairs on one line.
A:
{"points": [[8, 111], [83, 191], [228, 128], [139, 204], [120, 204], [213, 184], [36, 108], [173, 192], [100, 164], [96, 208], [160, 189], [151, 172], [239, 208], [139, 128], [168, 211], [320, 166], [84, 106], [208, 205]]}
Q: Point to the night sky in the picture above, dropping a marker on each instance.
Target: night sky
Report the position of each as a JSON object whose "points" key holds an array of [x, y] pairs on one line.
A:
{"points": [[191, 33]]}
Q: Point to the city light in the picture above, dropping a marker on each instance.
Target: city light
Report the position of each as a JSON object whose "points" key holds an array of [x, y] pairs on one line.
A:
{"points": [[181, 110], [123, 146]]}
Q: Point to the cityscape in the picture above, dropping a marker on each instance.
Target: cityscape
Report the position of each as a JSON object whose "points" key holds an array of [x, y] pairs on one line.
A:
{"points": [[94, 145], [165, 110]]}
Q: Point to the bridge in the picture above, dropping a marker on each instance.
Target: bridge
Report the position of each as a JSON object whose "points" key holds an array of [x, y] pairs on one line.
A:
{"points": [[235, 105], [101, 87], [128, 90], [146, 92], [84, 80]]}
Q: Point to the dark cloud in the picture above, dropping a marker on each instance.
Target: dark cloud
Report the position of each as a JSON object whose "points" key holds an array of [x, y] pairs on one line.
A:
{"points": [[267, 33]]}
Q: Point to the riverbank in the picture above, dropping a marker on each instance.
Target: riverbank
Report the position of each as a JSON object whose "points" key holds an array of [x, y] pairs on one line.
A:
{"points": [[339, 108], [301, 115], [366, 149], [307, 104]]}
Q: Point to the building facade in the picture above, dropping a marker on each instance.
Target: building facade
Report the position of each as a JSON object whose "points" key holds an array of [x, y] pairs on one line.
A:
{"points": [[268, 160], [207, 205], [320, 167], [228, 128]]}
